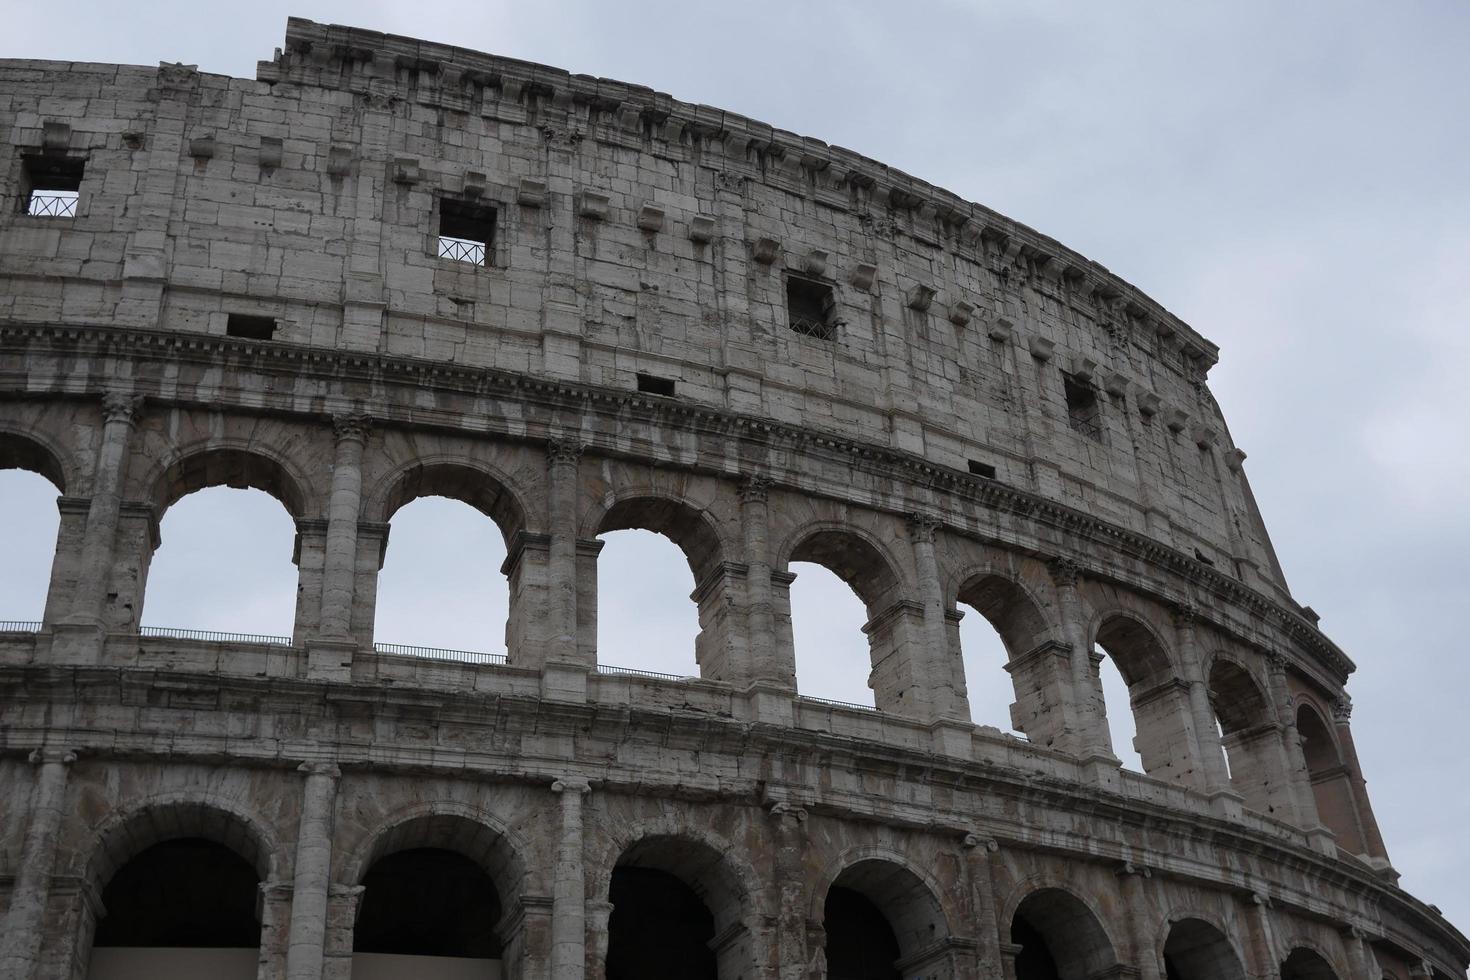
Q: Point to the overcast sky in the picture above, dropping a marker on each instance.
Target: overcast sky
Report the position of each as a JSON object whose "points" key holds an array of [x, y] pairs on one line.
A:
{"points": [[1291, 179]]}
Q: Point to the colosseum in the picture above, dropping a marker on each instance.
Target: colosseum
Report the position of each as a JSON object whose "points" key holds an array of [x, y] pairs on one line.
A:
{"points": [[386, 269]]}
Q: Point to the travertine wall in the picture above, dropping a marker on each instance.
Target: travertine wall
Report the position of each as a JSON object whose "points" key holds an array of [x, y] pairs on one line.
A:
{"points": [[636, 235]]}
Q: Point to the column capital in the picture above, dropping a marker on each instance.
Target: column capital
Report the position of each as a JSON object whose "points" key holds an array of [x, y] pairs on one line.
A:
{"points": [[348, 427], [1185, 614], [563, 450], [118, 406], [574, 785], [755, 488], [329, 769], [39, 757], [1342, 709], [1276, 662], [973, 840], [784, 810], [922, 528], [1064, 571]]}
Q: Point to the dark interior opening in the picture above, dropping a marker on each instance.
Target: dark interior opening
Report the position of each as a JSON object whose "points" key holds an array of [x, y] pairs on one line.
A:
{"points": [[53, 182], [809, 307], [250, 327], [182, 893], [466, 231], [428, 902], [982, 469], [659, 928], [860, 942], [1084, 410], [1034, 961], [651, 384]]}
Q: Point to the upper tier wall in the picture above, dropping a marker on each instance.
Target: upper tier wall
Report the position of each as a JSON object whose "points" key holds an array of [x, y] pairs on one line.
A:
{"points": [[634, 235]]}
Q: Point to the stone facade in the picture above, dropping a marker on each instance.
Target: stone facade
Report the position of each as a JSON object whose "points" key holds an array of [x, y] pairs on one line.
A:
{"points": [[967, 417]]}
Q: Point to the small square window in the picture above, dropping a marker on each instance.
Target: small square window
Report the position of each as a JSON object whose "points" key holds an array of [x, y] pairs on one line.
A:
{"points": [[651, 384], [1084, 409], [250, 327], [466, 231], [982, 469], [53, 183], [809, 308]]}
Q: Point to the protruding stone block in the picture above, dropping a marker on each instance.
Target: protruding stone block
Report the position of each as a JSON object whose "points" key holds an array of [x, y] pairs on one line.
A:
{"points": [[531, 193], [651, 218], [405, 171], [960, 312], [814, 263], [701, 229], [1148, 403], [1177, 419], [202, 147], [270, 152], [765, 250], [863, 275], [474, 184], [920, 297], [1041, 347], [1083, 368], [1235, 459], [339, 161], [1115, 383], [592, 205]]}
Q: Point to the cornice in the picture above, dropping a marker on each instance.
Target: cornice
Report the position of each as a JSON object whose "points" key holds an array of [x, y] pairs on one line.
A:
{"points": [[280, 358]]}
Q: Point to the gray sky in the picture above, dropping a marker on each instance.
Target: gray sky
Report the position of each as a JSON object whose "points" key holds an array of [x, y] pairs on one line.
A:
{"points": [[1288, 178]]}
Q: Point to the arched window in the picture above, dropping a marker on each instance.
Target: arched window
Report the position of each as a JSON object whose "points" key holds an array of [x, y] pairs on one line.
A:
{"points": [[1251, 742], [1121, 724], [1004, 624], [181, 907], [441, 584], [827, 617], [1196, 950], [671, 897], [1059, 938], [1331, 787], [28, 524], [878, 914], [1306, 964], [1157, 703]]}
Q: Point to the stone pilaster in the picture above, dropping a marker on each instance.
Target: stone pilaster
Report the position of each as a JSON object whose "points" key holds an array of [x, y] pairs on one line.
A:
{"points": [[20, 946], [1082, 731], [311, 884], [331, 652], [569, 885], [1303, 802], [1214, 778], [766, 665], [942, 664], [988, 930], [1131, 883], [789, 864], [562, 462], [1374, 849]]}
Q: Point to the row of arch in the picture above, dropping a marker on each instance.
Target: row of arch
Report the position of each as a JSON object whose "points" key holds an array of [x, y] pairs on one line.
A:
{"points": [[1044, 626], [447, 885]]}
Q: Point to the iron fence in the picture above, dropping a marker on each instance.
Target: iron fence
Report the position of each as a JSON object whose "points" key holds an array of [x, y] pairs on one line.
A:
{"points": [[837, 704], [462, 250], [52, 204], [439, 653], [19, 626], [213, 636], [631, 672]]}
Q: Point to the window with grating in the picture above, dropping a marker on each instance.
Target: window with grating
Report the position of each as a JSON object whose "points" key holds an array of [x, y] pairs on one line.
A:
{"points": [[466, 231], [809, 308], [53, 185], [1084, 409]]}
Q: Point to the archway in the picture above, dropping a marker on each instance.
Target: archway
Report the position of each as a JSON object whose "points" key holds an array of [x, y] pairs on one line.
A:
{"points": [[30, 525], [1331, 786], [833, 661], [435, 894], [639, 624], [1158, 705], [1196, 950], [881, 922], [671, 897], [1008, 626], [1251, 742], [1306, 964], [1059, 938]]}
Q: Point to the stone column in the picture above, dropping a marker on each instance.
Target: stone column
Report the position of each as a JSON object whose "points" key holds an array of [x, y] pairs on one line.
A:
{"points": [[1214, 777], [789, 869], [20, 947], [1083, 732], [1342, 712], [943, 667], [119, 413], [339, 568], [1303, 802], [569, 885], [761, 619], [312, 881], [988, 931], [562, 458], [1131, 878], [1263, 941]]}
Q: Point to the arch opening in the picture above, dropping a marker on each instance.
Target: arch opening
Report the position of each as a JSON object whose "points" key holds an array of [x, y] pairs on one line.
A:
{"points": [[424, 904], [1306, 964], [819, 635], [184, 906], [877, 915], [1196, 950], [1247, 735], [671, 897], [1008, 625], [1156, 701], [442, 583], [1332, 787], [1059, 938], [30, 525]]}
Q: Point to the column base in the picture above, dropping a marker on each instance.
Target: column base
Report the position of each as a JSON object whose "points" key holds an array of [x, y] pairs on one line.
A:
{"points": [[1323, 841], [76, 644], [1101, 769], [562, 680], [1227, 804], [769, 704], [953, 738], [330, 659]]}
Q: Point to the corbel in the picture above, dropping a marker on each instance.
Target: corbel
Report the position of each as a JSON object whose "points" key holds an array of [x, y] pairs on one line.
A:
{"points": [[863, 276], [814, 263], [920, 297], [765, 250], [1041, 347], [531, 193], [701, 229], [651, 217], [592, 205], [960, 312]]}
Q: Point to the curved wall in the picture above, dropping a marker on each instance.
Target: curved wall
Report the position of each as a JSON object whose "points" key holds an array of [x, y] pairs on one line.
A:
{"points": [[639, 241]]}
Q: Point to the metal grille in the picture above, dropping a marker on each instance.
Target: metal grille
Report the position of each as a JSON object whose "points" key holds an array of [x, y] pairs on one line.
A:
{"points": [[810, 327], [1089, 427], [52, 204], [438, 653], [214, 637], [462, 250], [838, 704], [19, 626], [630, 672]]}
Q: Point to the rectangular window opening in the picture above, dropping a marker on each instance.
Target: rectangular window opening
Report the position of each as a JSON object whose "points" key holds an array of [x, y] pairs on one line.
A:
{"points": [[466, 231], [1084, 408], [250, 327], [982, 469], [53, 183], [653, 385], [809, 308]]}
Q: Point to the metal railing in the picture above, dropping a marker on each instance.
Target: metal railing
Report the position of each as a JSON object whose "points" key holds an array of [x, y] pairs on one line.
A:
{"points": [[631, 672], [812, 327], [213, 636], [52, 204], [439, 653], [462, 250], [19, 626], [837, 704]]}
